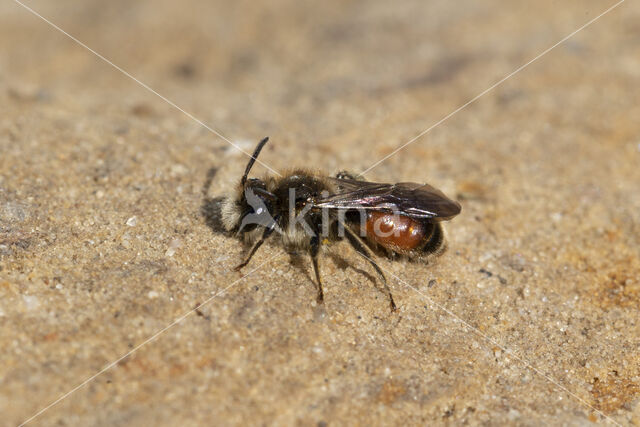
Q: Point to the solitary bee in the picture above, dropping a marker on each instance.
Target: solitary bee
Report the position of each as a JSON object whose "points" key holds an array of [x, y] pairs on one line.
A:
{"points": [[308, 209]]}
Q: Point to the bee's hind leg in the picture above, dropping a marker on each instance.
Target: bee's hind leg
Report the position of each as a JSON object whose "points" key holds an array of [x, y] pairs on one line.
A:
{"points": [[314, 250], [360, 247]]}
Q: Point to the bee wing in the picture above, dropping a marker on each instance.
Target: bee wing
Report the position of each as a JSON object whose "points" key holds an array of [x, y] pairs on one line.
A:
{"points": [[406, 198]]}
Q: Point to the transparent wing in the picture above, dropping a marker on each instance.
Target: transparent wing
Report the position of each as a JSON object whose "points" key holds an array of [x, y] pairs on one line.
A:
{"points": [[406, 198]]}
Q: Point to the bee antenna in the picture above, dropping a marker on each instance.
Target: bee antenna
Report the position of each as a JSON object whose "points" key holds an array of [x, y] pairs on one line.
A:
{"points": [[254, 156]]}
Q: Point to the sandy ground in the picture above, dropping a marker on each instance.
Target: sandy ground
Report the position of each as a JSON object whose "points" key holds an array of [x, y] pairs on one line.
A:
{"points": [[531, 317]]}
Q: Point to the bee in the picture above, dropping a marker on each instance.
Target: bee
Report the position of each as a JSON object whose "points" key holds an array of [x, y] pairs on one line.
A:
{"points": [[308, 209]]}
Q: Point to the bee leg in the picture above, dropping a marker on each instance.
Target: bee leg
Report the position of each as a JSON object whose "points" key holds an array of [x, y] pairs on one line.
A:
{"points": [[267, 232], [315, 248], [360, 247]]}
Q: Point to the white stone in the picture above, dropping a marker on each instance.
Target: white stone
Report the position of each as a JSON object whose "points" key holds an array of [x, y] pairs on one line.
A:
{"points": [[173, 246], [31, 302]]}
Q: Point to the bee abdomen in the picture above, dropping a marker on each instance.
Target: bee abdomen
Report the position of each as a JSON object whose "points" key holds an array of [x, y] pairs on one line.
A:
{"points": [[435, 243], [404, 235]]}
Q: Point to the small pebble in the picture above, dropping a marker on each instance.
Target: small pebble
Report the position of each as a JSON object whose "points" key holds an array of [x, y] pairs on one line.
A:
{"points": [[153, 294], [126, 243], [178, 170], [133, 221], [31, 302], [175, 244]]}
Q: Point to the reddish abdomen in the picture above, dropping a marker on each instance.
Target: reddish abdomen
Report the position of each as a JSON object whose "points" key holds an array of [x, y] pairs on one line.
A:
{"points": [[396, 232]]}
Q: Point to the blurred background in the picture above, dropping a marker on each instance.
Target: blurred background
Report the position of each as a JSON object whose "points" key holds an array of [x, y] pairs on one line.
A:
{"points": [[102, 242]]}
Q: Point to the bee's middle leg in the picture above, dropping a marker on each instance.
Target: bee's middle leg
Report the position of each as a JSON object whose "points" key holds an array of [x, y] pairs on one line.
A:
{"points": [[314, 251]]}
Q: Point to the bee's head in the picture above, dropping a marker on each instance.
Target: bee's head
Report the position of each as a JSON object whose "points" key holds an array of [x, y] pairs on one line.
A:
{"points": [[254, 184], [255, 202], [240, 211], [254, 195]]}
